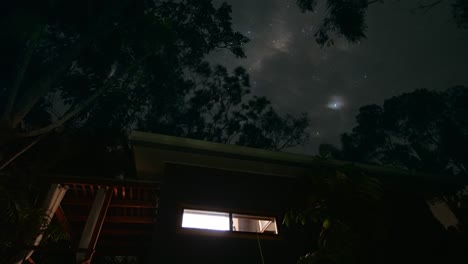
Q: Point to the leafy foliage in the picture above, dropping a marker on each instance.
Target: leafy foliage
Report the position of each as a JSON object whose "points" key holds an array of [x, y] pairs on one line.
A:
{"points": [[118, 48], [347, 18], [345, 205], [307, 5], [140, 62], [460, 13], [22, 221], [216, 106], [423, 130]]}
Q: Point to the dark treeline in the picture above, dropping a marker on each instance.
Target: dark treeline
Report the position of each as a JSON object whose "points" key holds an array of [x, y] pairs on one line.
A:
{"points": [[424, 131]]}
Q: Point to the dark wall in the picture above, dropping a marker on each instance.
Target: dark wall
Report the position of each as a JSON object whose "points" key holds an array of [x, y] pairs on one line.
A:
{"points": [[231, 191], [412, 233]]}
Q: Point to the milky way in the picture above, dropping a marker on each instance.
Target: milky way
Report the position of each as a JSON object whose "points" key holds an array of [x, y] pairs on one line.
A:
{"points": [[403, 52]]}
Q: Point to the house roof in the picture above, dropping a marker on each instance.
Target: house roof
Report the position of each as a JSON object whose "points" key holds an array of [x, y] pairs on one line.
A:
{"points": [[152, 151]]}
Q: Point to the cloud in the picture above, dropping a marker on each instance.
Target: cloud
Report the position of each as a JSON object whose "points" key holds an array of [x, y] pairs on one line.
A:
{"points": [[403, 52]]}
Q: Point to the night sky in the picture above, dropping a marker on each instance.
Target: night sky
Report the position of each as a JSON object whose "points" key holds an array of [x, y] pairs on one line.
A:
{"points": [[402, 52]]}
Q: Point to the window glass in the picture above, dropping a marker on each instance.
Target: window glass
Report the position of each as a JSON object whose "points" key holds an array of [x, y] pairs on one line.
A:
{"points": [[225, 221], [254, 224], [205, 220]]}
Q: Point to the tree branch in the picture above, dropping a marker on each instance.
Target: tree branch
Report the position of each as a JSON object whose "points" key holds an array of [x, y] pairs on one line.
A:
{"points": [[86, 103], [34, 142], [426, 8], [374, 1], [45, 84], [67, 116], [20, 75], [287, 143], [100, 31]]}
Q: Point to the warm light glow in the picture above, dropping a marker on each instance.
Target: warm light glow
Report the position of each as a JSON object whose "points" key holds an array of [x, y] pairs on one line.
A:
{"points": [[205, 220]]}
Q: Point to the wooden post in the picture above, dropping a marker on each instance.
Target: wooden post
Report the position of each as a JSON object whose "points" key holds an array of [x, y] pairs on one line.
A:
{"points": [[93, 226], [50, 205]]}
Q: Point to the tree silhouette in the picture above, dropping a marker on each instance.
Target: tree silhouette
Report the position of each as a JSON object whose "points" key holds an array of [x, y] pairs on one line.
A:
{"points": [[460, 13], [216, 106], [422, 130], [361, 217], [347, 18], [110, 50], [107, 65]]}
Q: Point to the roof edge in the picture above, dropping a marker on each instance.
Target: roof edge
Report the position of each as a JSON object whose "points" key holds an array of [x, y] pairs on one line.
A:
{"points": [[249, 153], [144, 138]]}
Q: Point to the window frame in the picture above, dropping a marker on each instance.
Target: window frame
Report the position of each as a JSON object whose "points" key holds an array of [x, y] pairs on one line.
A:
{"points": [[227, 233]]}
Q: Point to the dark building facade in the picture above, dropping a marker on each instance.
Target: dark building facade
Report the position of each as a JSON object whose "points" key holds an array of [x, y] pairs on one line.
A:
{"points": [[202, 202], [211, 177], [249, 186]]}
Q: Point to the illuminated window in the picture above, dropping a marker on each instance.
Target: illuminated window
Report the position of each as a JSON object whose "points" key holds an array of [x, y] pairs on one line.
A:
{"points": [[205, 220], [254, 224], [225, 221]]}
